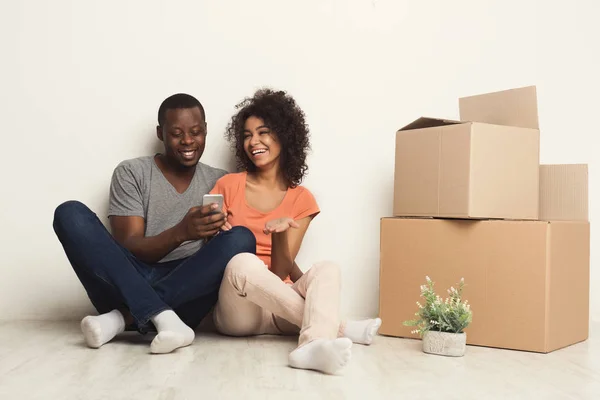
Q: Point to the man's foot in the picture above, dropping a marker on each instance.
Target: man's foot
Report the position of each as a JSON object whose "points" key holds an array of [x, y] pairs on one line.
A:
{"points": [[362, 332], [323, 355], [98, 330], [172, 334]]}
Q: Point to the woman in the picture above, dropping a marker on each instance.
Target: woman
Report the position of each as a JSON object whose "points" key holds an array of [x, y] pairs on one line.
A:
{"points": [[267, 293]]}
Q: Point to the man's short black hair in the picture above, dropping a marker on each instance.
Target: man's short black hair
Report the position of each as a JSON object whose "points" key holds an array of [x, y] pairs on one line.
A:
{"points": [[179, 100]]}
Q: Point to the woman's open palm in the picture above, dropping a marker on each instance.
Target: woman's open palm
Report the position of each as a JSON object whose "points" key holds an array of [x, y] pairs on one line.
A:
{"points": [[280, 225]]}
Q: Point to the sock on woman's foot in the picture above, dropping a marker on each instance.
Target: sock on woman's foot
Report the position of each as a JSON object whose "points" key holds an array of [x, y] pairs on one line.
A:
{"points": [[328, 356], [362, 332]]}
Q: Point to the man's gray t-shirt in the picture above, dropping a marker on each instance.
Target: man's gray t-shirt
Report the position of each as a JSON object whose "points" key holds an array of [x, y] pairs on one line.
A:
{"points": [[139, 188]]}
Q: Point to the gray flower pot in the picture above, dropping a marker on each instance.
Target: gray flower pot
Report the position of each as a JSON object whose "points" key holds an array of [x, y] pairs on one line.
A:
{"points": [[444, 343]]}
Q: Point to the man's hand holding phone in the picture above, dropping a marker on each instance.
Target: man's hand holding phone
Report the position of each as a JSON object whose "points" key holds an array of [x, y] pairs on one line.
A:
{"points": [[202, 222], [217, 199]]}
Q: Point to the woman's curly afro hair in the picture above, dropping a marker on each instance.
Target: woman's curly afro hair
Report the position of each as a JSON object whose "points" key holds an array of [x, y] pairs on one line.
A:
{"points": [[285, 119]]}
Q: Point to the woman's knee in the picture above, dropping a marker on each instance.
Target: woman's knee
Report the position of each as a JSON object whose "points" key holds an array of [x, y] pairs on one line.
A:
{"points": [[327, 269], [243, 264]]}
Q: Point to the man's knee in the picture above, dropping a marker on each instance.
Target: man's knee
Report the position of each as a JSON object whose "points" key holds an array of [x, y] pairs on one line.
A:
{"points": [[69, 216], [242, 240]]}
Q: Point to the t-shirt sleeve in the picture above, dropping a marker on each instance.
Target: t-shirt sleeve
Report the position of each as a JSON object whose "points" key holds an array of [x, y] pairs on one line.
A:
{"points": [[306, 205], [214, 175], [221, 173], [219, 188], [125, 193]]}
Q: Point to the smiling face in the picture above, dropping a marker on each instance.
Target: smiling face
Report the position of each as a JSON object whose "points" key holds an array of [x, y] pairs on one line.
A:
{"points": [[184, 136], [261, 144]]}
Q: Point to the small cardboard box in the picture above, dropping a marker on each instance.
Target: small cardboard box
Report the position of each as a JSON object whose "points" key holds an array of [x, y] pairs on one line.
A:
{"points": [[564, 192], [527, 281], [470, 169]]}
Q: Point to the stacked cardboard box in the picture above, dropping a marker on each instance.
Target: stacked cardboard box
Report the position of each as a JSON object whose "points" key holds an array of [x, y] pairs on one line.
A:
{"points": [[472, 201]]}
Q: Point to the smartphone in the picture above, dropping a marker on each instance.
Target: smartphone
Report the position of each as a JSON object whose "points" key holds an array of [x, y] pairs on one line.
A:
{"points": [[213, 198]]}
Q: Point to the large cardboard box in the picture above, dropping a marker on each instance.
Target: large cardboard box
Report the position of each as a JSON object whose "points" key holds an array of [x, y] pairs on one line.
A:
{"points": [[527, 281], [470, 169]]}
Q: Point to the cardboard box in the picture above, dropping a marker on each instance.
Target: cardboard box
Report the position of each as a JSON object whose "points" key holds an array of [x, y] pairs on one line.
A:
{"points": [[469, 169], [564, 192], [527, 281]]}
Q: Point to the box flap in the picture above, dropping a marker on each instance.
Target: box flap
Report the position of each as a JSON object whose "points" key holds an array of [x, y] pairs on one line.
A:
{"points": [[514, 107], [564, 192], [425, 122]]}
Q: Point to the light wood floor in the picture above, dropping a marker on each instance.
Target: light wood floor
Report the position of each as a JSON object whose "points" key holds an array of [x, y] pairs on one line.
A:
{"points": [[42, 360]]}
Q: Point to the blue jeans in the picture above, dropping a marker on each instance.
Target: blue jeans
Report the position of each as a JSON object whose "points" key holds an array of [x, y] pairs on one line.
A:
{"points": [[115, 279]]}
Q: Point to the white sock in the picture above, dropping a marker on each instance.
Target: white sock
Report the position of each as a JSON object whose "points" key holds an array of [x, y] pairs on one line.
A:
{"points": [[172, 333], [362, 332], [323, 355], [98, 330]]}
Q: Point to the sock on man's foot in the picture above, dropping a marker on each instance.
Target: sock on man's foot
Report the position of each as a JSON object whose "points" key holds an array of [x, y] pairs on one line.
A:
{"points": [[172, 334], [325, 355], [362, 332], [98, 330]]}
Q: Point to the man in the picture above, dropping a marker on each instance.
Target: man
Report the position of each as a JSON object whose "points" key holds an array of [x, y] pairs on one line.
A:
{"points": [[163, 264]]}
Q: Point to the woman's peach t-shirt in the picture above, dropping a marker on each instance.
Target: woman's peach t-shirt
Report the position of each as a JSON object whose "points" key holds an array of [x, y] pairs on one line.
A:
{"points": [[297, 203]]}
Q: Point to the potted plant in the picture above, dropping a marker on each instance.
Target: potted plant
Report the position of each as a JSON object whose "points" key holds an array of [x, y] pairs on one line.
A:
{"points": [[441, 322]]}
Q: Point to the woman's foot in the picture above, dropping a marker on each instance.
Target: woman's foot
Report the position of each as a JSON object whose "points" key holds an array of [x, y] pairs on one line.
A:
{"points": [[362, 332], [101, 329], [328, 356]]}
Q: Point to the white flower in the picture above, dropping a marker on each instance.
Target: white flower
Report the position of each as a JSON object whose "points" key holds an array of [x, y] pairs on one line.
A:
{"points": [[462, 280], [427, 279]]}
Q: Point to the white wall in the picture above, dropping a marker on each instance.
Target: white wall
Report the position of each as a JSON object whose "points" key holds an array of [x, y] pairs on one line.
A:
{"points": [[81, 83]]}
